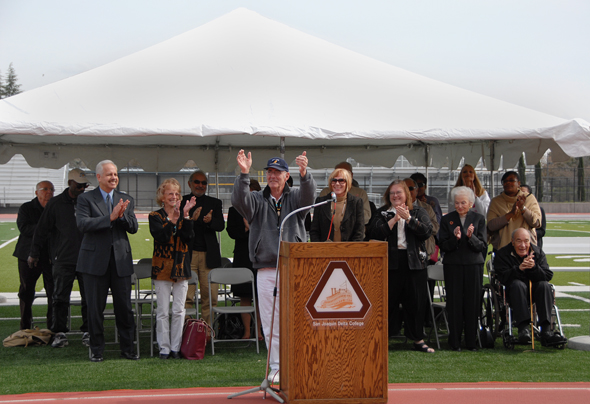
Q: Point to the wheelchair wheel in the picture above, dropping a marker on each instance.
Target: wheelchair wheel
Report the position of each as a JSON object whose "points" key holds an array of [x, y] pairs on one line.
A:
{"points": [[487, 308], [507, 340]]}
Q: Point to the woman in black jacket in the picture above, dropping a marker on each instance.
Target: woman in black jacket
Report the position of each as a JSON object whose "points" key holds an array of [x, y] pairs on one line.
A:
{"points": [[405, 227], [462, 237], [340, 221]]}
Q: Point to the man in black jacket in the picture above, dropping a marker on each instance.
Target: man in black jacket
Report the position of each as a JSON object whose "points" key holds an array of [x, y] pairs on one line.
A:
{"points": [[58, 226], [28, 217], [207, 216], [516, 264]]}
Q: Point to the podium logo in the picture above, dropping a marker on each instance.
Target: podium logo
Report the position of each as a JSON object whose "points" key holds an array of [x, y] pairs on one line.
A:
{"points": [[338, 296]]}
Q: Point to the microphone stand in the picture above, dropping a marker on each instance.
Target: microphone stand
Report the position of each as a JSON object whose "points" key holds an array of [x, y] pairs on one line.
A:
{"points": [[265, 386]]}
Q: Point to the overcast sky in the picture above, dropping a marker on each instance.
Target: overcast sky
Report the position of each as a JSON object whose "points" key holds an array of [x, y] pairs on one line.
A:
{"points": [[534, 53]]}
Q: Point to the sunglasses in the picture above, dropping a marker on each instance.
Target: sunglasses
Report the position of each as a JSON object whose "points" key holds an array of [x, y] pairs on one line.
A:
{"points": [[339, 180], [411, 188], [197, 182], [421, 185], [82, 186]]}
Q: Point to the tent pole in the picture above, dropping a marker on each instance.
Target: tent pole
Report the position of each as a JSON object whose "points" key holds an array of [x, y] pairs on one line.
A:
{"points": [[282, 147], [217, 184], [492, 156], [426, 153]]}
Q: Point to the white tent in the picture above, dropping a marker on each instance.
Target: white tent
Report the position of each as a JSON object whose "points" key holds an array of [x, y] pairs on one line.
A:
{"points": [[244, 81]]}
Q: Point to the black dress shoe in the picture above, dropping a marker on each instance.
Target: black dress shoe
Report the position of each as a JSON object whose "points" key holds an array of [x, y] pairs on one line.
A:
{"points": [[96, 358], [458, 349], [129, 355], [163, 356], [175, 355], [472, 349]]}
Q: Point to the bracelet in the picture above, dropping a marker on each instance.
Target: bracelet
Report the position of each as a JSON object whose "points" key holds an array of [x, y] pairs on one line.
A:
{"points": [[187, 218], [523, 208]]}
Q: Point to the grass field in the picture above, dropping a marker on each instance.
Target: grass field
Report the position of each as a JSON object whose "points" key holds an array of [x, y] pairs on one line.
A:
{"points": [[45, 369]]}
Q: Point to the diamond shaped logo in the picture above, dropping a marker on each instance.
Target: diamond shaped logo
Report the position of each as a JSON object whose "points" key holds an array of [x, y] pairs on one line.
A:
{"points": [[337, 296]]}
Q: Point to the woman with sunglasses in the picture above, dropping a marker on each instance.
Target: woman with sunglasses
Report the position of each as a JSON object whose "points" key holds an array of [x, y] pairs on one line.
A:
{"points": [[468, 178], [405, 227], [340, 221]]}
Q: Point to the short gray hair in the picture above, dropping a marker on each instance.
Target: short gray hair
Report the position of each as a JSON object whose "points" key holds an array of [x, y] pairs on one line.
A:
{"points": [[101, 164], [519, 229], [197, 172], [463, 191]]}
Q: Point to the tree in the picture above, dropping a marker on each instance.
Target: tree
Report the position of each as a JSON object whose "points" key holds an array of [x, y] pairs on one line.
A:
{"points": [[11, 87], [1, 86]]}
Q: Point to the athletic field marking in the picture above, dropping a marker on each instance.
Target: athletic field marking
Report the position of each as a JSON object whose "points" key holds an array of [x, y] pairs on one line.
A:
{"points": [[8, 242]]}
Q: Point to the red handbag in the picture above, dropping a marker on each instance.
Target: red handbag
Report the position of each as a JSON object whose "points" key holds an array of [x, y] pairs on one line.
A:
{"points": [[194, 338]]}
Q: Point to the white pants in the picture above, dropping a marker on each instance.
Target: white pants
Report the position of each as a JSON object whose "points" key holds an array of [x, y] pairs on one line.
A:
{"points": [[170, 336], [266, 285]]}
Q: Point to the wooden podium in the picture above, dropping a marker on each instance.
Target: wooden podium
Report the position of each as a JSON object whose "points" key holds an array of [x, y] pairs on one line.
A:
{"points": [[333, 322]]}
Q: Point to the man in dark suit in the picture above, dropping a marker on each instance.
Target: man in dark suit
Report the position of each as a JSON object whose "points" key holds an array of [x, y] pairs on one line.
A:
{"points": [[105, 216], [207, 216], [28, 217]]}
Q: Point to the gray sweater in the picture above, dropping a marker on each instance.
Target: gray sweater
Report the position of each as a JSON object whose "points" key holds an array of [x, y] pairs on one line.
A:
{"points": [[259, 210]]}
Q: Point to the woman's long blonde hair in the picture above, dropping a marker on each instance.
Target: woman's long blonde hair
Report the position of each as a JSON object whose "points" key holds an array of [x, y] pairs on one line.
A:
{"points": [[479, 190]]}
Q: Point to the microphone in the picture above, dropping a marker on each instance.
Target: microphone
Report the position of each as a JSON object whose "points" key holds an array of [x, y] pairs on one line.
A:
{"points": [[333, 196]]}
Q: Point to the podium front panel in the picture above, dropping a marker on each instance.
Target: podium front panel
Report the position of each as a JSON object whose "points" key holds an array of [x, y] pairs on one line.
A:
{"points": [[333, 322]]}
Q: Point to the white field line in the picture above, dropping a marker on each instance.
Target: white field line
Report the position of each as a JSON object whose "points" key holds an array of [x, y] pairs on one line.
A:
{"points": [[8, 242]]}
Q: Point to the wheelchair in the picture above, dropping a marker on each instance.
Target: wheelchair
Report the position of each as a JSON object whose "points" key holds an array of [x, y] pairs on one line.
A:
{"points": [[497, 315]]}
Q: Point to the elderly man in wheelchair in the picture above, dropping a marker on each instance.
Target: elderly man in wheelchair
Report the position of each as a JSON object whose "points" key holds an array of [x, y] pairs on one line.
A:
{"points": [[518, 265]]}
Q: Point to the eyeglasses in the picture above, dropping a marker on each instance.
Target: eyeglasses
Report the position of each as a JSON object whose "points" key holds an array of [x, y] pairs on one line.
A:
{"points": [[396, 193], [197, 182], [338, 180], [420, 184], [46, 189], [82, 186], [412, 188]]}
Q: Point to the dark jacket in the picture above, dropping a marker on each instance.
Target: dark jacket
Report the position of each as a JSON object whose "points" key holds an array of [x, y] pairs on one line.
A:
{"points": [[418, 229], [58, 226], [101, 235], [236, 229], [466, 251], [352, 227], [507, 262], [207, 230], [28, 217]]}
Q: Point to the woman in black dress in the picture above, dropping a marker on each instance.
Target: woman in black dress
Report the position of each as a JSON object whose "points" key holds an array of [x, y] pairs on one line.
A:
{"points": [[462, 237]]}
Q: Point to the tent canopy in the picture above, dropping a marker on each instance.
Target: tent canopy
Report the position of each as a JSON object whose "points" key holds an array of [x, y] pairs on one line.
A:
{"points": [[244, 81]]}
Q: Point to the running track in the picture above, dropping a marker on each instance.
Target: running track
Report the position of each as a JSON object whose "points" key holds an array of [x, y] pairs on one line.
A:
{"points": [[440, 393]]}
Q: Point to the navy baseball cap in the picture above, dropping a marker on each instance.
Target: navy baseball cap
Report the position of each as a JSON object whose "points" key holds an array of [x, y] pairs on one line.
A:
{"points": [[277, 163]]}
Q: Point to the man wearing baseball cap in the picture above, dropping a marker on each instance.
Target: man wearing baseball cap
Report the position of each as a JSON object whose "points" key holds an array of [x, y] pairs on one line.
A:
{"points": [[58, 226], [265, 210]]}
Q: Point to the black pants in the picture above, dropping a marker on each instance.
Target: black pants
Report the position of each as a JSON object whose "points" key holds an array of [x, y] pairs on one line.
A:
{"points": [[63, 278], [518, 297], [407, 287], [26, 291], [96, 293], [463, 285]]}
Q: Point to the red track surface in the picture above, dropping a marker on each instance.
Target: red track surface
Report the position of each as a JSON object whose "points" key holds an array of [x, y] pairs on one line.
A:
{"points": [[455, 393]]}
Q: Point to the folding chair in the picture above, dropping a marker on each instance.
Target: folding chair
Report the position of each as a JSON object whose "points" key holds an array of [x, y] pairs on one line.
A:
{"points": [[143, 270], [435, 273], [235, 276]]}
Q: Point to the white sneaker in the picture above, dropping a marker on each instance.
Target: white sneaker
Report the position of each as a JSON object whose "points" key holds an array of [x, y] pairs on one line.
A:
{"points": [[60, 340], [273, 376], [86, 339]]}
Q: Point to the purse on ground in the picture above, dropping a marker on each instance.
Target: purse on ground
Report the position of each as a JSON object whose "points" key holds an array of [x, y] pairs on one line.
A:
{"points": [[194, 339]]}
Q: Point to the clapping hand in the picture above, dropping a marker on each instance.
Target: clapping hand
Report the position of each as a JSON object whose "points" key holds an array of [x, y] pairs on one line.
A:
{"points": [[197, 213], [470, 230], [528, 262], [119, 209], [188, 206], [207, 218], [457, 232]]}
